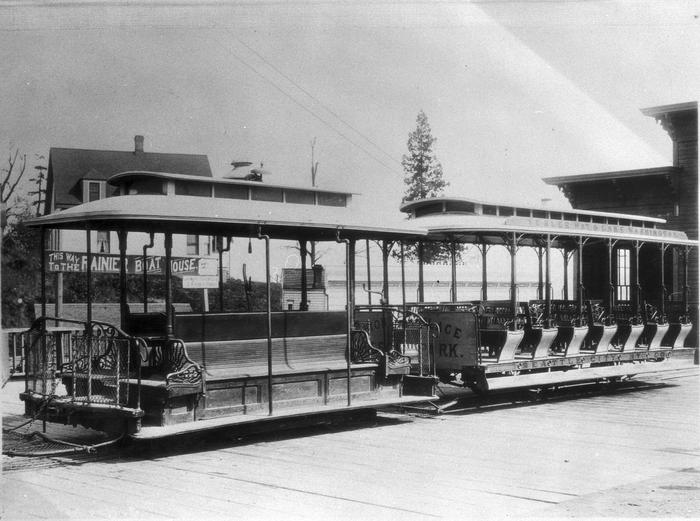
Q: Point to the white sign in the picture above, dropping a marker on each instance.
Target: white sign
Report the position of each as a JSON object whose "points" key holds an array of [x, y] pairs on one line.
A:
{"points": [[200, 281], [208, 267]]}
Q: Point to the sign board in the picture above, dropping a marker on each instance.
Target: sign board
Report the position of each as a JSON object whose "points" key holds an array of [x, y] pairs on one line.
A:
{"points": [[77, 262], [456, 345], [200, 281]]}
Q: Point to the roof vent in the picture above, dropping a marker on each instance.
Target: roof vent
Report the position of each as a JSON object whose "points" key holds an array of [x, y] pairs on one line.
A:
{"points": [[138, 144]]}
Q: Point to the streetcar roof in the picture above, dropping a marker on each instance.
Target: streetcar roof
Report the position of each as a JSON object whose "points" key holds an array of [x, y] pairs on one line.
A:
{"points": [[457, 205], [494, 229], [212, 216]]}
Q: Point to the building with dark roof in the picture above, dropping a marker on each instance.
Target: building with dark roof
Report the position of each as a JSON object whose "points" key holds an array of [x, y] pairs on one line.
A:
{"points": [[78, 176]]}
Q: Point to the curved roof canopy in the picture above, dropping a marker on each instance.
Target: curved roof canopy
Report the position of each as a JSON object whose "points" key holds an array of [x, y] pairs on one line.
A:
{"points": [[211, 216]]}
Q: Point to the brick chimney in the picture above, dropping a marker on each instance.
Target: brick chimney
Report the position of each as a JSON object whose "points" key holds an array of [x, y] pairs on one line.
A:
{"points": [[318, 281], [138, 144]]}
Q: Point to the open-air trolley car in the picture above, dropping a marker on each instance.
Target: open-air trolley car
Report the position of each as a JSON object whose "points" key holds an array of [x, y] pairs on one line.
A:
{"points": [[163, 373]]}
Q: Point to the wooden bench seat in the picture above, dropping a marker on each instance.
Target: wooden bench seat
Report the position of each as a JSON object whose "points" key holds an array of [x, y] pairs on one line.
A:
{"points": [[248, 358]]}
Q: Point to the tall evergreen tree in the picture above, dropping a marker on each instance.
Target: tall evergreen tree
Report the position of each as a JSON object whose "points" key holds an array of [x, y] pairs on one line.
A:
{"points": [[422, 170], [423, 177]]}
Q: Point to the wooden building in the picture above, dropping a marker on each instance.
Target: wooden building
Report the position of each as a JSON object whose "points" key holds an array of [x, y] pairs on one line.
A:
{"points": [[666, 192]]}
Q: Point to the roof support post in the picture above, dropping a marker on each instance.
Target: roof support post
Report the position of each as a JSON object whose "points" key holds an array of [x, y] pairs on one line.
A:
{"points": [[145, 271], [304, 304], [579, 275], [636, 288], [548, 279], [369, 273], [349, 268], [513, 250], [662, 289], [168, 244], [266, 238], [123, 306], [421, 274], [540, 286], [611, 283], [220, 247], [88, 300], [453, 262], [566, 254], [484, 248], [686, 286], [386, 248]]}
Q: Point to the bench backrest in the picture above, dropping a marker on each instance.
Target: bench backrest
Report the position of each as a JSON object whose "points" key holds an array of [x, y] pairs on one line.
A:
{"points": [[213, 327]]}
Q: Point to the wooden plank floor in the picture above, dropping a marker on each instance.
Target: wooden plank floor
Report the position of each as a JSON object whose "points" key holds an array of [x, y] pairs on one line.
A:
{"points": [[623, 455]]}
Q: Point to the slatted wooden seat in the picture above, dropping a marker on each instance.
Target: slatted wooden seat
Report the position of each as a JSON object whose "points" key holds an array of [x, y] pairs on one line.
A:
{"points": [[538, 339], [228, 346], [601, 328], [500, 331], [570, 331], [629, 327]]}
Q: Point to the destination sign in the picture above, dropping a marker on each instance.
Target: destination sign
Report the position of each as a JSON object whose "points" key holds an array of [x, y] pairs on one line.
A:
{"points": [[457, 342], [77, 262]]}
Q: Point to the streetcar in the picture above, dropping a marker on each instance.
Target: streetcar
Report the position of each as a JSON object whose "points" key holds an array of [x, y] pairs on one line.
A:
{"points": [[621, 319], [169, 372]]}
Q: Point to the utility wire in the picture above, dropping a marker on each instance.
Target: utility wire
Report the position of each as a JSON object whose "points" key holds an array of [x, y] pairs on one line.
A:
{"points": [[323, 105], [330, 125]]}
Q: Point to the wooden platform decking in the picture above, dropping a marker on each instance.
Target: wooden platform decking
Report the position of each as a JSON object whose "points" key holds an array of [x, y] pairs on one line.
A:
{"points": [[623, 454]]}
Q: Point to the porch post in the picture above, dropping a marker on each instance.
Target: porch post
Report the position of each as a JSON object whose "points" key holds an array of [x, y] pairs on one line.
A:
{"points": [[304, 304]]}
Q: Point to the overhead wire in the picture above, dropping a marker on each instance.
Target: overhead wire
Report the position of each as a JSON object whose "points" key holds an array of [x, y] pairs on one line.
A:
{"points": [[304, 107]]}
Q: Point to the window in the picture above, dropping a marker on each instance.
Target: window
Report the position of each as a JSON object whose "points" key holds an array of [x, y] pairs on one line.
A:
{"points": [[193, 245], [195, 189], [331, 199], [623, 274], [54, 240], [93, 190], [103, 242]]}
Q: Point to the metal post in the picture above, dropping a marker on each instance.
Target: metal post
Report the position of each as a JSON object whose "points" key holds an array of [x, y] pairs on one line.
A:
{"points": [[540, 287], [453, 261], [348, 295], [88, 299], [566, 273], [123, 306], [686, 286], [421, 274], [548, 279], [637, 287], [44, 360], [220, 244], [266, 238], [385, 272], [484, 278], [145, 271], [579, 277], [304, 304], [611, 285], [168, 284], [369, 274], [513, 249], [662, 295]]}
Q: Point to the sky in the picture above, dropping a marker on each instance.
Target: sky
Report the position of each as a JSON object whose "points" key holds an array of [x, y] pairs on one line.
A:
{"points": [[514, 90]]}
